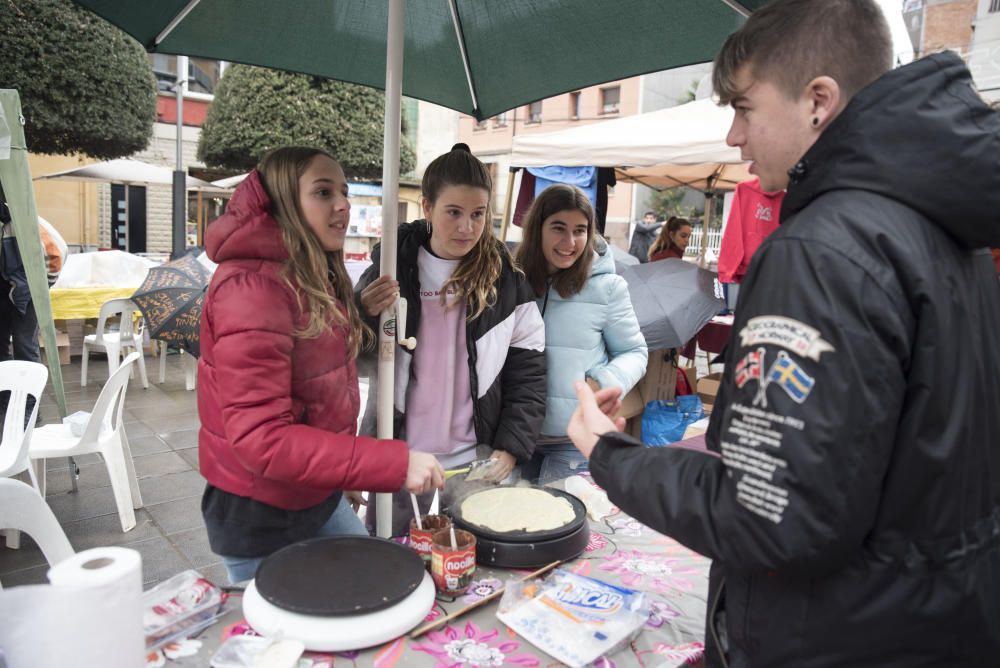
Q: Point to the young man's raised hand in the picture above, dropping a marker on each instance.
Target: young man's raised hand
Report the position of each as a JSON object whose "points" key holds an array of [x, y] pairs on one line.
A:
{"points": [[591, 417]]}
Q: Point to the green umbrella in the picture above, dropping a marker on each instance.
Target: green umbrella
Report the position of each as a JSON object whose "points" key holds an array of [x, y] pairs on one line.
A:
{"points": [[480, 57], [15, 176]]}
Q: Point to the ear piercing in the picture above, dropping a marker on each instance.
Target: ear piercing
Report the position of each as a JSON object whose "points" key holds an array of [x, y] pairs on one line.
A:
{"points": [[815, 121]]}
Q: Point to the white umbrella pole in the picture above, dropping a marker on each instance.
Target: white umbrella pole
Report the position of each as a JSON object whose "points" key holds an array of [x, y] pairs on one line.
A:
{"points": [[390, 196]]}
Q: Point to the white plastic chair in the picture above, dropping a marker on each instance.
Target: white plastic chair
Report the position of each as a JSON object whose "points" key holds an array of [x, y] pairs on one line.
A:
{"points": [[189, 363], [22, 508], [115, 343], [21, 379], [105, 434]]}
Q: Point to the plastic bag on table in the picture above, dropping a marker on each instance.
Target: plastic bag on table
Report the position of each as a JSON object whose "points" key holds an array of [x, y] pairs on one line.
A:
{"points": [[573, 618]]}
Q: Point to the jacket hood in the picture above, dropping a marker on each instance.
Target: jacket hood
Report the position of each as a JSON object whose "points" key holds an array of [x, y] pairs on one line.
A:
{"points": [[604, 258], [921, 135], [247, 230]]}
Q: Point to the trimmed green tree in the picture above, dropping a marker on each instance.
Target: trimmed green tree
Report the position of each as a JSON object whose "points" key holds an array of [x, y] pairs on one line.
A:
{"points": [[257, 109], [85, 86]]}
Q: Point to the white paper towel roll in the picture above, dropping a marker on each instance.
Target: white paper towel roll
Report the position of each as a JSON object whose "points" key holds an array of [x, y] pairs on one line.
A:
{"points": [[90, 615]]}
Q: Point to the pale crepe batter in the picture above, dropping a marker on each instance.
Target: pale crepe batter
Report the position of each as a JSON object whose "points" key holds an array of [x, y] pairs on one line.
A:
{"points": [[517, 508]]}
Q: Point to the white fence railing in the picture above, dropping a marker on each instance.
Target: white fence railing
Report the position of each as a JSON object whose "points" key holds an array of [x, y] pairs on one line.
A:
{"points": [[714, 240]]}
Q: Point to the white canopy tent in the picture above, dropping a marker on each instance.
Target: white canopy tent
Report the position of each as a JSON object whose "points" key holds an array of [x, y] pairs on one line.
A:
{"points": [[127, 172], [679, 146]]}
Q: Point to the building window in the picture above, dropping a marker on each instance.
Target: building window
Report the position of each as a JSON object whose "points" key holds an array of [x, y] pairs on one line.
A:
{"points": [[478, 125], [203, 74], [535, 112], [574, 106], [610, 99], [994, 6], [500, 120]]}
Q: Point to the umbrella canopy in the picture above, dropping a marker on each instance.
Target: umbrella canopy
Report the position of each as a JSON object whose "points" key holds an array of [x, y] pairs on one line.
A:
{"points": [[128, 172], [171, 300], [679, 146], [480, 57], [622, 258], [672, 299]]}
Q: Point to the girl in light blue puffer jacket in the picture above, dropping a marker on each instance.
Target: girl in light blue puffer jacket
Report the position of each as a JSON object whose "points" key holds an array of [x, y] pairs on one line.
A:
{"points": [[591, 330]]}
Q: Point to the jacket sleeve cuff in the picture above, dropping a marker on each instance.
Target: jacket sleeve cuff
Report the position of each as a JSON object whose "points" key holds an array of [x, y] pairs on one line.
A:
{"points": [[605, 378], [604, 452]]}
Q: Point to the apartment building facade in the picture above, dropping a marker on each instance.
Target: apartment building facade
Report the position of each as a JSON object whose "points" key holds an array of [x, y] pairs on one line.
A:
{"points": [[971, 28]]}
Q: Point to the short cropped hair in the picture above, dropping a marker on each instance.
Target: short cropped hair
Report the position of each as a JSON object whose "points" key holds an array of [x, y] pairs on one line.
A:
{"points": [[791, 42]]}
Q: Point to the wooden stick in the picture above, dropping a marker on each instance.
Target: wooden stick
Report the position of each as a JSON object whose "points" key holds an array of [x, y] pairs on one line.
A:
{"points": [[461, 611]]}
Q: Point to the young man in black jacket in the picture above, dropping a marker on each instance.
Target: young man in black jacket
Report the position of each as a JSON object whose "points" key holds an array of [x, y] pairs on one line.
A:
{"points": [[852, 508]]}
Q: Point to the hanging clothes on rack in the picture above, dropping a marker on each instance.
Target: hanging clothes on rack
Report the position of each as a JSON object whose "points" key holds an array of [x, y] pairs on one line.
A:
{"points": [[753, 216]]}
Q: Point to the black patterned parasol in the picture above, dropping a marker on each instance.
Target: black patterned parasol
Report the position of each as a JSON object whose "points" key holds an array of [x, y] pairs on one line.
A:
{"points": [[171, 300]]}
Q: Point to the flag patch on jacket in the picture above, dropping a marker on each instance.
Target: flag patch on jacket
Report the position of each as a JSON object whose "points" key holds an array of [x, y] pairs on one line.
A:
{"points": [[750, 367], [790, 377]]}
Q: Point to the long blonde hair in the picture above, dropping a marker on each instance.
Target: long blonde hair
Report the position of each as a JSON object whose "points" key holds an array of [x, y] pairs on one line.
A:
{"points": [[320, 275], [474, 279]]}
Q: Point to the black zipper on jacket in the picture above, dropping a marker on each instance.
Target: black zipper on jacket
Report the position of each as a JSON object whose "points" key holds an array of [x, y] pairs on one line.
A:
{"points": [[545, 302], [470, 348]]}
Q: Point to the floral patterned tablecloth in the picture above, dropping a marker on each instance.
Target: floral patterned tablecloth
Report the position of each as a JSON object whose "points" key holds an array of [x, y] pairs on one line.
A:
{"points": [[621, 551]]}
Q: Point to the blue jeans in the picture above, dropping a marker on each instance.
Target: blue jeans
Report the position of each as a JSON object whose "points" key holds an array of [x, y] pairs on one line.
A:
{"points": [[343, 522], [554, 461]]}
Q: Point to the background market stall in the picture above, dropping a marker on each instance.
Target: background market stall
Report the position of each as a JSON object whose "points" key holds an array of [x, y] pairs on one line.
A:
{"points": [[680, 146]]}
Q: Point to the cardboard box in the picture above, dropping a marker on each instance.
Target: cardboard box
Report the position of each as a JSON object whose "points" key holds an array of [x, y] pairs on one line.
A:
{"points": [[632, 403], [708, 387], [62, 342], [660, 382]]}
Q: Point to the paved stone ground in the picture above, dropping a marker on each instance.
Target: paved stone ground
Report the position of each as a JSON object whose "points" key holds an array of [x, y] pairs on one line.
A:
{"points": [[162, 427]]}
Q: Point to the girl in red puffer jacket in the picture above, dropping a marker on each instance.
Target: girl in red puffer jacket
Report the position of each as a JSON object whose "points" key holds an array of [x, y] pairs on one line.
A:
{"points": [[277, 384]]}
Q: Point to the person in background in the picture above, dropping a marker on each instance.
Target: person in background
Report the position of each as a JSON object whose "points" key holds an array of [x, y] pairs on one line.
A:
{"points": [[851, 509], [18, 321], [643, 236], [591, 330], [672, 241], [278, 390], [477, 374]]}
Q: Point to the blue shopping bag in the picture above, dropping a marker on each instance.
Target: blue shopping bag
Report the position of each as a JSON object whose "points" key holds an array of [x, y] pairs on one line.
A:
{"points": [[664, 422]]}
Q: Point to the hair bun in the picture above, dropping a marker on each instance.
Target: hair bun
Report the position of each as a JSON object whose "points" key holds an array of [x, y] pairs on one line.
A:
{"points": [[461, 146]]}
